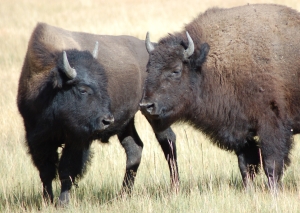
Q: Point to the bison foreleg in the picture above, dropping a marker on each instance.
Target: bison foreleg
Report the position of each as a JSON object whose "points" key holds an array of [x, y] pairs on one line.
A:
{"points": [[248, 159], [44, 156], [133, 146], [167, 141], [72, 165]]}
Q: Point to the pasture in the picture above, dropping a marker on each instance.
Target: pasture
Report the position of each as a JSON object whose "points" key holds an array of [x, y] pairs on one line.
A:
{"points": [[210, 178]]}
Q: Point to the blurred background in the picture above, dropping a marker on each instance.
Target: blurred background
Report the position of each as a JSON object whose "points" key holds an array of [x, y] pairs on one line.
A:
{"points": [[201, 164]]}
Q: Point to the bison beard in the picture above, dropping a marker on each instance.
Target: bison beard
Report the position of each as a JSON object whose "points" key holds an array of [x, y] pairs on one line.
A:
{"points": [[239, 85]]}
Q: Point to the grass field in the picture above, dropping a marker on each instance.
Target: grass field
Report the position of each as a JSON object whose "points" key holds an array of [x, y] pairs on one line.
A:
{"points": [[210, 179]]}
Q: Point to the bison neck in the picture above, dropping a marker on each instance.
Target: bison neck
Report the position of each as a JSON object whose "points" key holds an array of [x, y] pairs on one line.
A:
{"points": [[215, 110]]}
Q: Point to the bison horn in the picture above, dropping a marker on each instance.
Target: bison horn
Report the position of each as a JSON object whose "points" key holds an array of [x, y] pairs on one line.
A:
{"points": [[95, 51], [69, 71], [190, 50], [149, 45]]}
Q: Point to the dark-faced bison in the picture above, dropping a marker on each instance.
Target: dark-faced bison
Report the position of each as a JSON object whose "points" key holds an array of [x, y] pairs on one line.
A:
{"points": [[72, 109], [235, 75]]}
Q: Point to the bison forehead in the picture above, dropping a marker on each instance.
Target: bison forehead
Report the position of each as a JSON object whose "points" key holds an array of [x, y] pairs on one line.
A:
{"points": [[88, 70], [165, 56]]}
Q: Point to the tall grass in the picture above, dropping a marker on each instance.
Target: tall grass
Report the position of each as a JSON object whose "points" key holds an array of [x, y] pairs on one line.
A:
{"points": [[210, 180]]}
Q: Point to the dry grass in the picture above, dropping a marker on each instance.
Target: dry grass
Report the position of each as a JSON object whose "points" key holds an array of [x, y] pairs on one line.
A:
{"points": [[210, 178]]}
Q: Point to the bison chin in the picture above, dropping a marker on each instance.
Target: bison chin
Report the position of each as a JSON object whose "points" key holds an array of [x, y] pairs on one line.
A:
{"points": [[160, 125]]}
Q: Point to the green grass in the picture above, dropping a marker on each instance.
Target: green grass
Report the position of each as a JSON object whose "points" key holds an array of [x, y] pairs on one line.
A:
{"points": [[210, 179]]}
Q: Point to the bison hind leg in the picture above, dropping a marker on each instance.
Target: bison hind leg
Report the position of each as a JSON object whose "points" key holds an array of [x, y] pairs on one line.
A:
{"points": [[276, 142], [133, 146]]}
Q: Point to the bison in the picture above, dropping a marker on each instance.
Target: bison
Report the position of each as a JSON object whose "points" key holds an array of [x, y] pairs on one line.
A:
{"points": [[69, 110], [233, 74]]}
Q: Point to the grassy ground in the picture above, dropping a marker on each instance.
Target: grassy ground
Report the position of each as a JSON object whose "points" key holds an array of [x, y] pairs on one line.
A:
{"points": [[210, 180]]}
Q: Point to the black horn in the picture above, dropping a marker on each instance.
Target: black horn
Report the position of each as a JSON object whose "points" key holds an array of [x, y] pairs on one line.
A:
{"points": [[69, 71], [190, 50], [149, 45]]}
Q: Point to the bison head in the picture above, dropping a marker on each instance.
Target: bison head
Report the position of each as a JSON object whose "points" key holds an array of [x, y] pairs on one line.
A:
{"points": [[172, 69], [80, 104]]}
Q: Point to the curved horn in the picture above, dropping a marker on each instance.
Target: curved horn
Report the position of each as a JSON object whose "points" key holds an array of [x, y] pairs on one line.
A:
{"points": [[95, 51], [149, 45], [190, 50], [69, 71]]}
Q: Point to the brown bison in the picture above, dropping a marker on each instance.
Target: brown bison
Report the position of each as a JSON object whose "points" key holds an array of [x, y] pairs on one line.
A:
{"points": [[65, 98], [233, 74]]}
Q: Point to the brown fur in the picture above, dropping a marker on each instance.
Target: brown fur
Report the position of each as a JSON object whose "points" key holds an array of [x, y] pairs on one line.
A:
{"points": [[260, 58], [124, 61], [243, 64], [119, 55], [249, 84]]}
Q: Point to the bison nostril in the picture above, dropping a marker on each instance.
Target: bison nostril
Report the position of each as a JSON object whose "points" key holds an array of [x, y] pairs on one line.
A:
{"points": [[150, 107], [147, 106], [106, 121]]}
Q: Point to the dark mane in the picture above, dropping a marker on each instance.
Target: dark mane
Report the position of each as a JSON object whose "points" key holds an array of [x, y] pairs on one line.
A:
{"points": [[172, 39]]}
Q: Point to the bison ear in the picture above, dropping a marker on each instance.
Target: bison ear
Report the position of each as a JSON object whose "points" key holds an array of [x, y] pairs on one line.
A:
{"points": [[57, 81], [204, 49]]}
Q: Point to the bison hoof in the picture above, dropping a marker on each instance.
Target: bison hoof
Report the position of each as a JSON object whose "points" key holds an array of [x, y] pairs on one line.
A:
{"points": [[63, 200]]}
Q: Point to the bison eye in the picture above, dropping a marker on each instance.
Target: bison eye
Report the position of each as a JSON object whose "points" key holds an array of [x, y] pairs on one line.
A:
{"points": [[84, 90], [176, 73]]}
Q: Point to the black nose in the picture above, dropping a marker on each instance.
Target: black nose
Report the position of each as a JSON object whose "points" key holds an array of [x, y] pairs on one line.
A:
{"points": [[147, 106], [107, 120]]}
